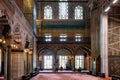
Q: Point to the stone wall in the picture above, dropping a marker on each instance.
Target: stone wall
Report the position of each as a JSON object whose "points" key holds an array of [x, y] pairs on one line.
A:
{"points": [[71, 30], [55, 8], [95, 33], [95, 40], [17, 65], [20, 32], [114, 65], [73, 48], [114, 46]]}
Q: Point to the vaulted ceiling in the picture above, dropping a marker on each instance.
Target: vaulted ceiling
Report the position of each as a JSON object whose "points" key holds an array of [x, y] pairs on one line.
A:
{"points": [[115, 10], [62, 0]]}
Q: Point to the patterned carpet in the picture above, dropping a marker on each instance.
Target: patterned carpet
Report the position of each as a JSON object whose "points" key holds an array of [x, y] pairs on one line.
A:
{"points": [[65, 76]]}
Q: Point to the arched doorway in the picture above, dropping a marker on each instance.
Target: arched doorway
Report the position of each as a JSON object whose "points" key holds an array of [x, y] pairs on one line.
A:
{"points": [[64, 57], [46, 59]]}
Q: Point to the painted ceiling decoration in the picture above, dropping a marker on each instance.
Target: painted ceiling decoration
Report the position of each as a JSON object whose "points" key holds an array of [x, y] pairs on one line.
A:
{"points": [[62, 1]]}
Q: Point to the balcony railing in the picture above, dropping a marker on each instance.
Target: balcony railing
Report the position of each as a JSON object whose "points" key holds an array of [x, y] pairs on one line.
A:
{"points": [[63, 23], [68, 40]]}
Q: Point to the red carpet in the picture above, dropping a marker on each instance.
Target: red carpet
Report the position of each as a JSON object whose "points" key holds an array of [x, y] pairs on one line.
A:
{"points": [[65, 76], [1, 77]]}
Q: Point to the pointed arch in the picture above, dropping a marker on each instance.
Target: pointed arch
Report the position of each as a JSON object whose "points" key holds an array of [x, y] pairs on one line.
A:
{"points": [[47, 12], [46, 57], [64, 57], [43, 48], [79, 12], [66, 48]]}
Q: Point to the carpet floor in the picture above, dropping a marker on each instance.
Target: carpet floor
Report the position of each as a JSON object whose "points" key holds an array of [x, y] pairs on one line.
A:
{"points": [[65, 76]]}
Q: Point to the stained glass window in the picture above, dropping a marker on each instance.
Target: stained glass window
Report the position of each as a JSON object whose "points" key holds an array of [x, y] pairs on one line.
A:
{"points": [[62, 61], [48, 60], [63, 9], [79, 61], [47, 12], [79, 12]]}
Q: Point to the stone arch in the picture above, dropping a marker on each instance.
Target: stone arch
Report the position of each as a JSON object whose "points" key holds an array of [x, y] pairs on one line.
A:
{"points": [[80, 52], [5, 36], [40, 49], [64, 51], [83, 50], [80, 58], [67, 55], [87, 48], [5, 28], [45, 52], [67, 48]]}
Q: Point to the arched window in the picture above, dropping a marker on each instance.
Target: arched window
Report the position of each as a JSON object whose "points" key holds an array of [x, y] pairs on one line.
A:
{"points": [[63, 9], [48, 12], [79, 61], [79, 12]]}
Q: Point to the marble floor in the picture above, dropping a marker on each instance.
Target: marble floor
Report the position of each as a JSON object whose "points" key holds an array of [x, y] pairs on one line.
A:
{"points": [[65, 76]]}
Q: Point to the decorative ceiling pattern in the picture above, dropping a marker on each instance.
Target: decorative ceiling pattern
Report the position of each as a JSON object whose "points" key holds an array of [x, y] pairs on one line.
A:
{"points": [[115, 10], [62, 1]]}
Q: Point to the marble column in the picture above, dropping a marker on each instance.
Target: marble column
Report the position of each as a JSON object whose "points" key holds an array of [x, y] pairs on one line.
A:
{"points": [[8, 62], [5, 63], [7, 59], [74, 62], [35, 61], [104, 43]]}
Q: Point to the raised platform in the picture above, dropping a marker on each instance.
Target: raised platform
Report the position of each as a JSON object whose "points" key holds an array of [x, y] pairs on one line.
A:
{"points": [[63, 71], [59, 71]]}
